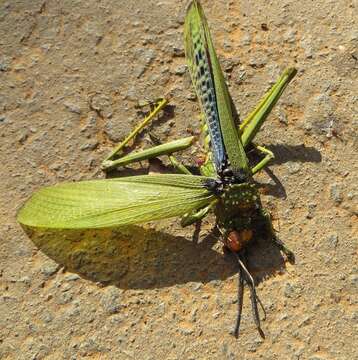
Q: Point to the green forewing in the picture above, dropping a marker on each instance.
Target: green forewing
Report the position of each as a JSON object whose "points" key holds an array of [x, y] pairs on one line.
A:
{"points": [[196, 25], [203, 80], [115, 202]]}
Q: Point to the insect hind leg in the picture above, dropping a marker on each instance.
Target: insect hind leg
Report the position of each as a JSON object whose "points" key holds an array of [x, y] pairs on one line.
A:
{"points": [[276, 241], [159, 105]]}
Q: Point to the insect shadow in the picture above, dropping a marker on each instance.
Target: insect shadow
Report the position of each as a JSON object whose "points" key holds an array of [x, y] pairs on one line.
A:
{"points": [[294, 153], [141, 258], [288, 153]]}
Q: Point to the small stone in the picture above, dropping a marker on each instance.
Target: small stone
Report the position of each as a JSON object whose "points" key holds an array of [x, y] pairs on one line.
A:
{"points": [[197, 286], [290, 36], [101, 104], [178, 52], [72, 277], [191, 96], [64, 298], [282, 117], [305, 321], [216, 314], [245, 39], [115, 131], [23, 137], [111, 300], [73, 311], [186, 332], [55, 166], [227, 45], [311, 210], [50, 268], [116, 319], [4, 64], [140, 70], [91, 145], [73, 108], [25, 279], [47, 317], [336, 193], [290, 290], [333, 240], [258, 61], [241, 76], [149, 55], [354, 280], [283, 316], [293, 167], [180, 70], [193, 315], [161, 309], [228, 65]]}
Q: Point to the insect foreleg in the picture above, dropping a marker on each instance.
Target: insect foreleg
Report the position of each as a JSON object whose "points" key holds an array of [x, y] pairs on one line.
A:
{"points": [[207, 168], [193, 217], [181, 168]]}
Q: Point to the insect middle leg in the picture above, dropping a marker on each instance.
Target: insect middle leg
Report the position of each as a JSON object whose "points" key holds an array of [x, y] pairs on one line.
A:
{"points": [[195, 216]]}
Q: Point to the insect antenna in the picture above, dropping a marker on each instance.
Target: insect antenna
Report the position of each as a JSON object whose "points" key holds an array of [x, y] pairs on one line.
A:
{"points": [[244, 274]]}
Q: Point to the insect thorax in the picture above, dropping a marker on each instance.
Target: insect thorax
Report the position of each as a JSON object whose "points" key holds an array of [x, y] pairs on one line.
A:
{"points": [[238, 206]]}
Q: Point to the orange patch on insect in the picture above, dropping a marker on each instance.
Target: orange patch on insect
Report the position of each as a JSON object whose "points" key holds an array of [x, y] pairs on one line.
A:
{"points": [[236, 240], [200, 161]]}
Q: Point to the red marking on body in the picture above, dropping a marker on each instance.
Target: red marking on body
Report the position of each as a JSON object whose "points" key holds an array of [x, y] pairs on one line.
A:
{"points": [[200, 161], [237, 240]]}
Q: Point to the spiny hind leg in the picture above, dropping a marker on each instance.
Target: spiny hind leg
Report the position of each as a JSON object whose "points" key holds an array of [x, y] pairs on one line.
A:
{"points": [[252, 124], [158, 106], [272, 234]]}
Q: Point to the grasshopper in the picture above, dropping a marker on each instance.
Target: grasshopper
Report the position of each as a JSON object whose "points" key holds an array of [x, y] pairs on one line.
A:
{"points": [[225, 185]]}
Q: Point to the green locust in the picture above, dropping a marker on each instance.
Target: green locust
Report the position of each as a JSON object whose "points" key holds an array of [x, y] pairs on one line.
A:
{"points": [[225, 185]]}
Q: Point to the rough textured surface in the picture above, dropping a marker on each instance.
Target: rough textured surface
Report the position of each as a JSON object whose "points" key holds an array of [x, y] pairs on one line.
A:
{"points": [[71, 73]]}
